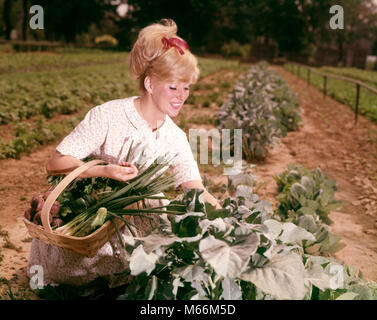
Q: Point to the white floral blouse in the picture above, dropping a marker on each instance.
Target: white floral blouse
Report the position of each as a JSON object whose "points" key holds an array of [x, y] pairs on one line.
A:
{"points": [[108, 130], [106, 133]]}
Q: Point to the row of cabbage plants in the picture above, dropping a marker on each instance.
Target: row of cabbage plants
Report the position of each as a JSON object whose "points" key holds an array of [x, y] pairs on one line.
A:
{"points": [[264, 107], [245, 250]]}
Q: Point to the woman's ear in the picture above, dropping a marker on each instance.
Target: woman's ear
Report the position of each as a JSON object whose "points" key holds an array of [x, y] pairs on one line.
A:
{"points": [[148, 84]]}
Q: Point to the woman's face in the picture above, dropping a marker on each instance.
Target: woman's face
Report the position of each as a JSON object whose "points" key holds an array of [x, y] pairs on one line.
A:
{"points": [[169, 96]]}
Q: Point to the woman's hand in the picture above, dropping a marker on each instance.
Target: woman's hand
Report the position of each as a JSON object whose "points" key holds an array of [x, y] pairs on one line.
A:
{"points": [[197, 184], [122, 172]]}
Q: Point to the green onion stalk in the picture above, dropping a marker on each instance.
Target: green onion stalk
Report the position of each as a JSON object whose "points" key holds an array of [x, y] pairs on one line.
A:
{"points": [[116, 203]]}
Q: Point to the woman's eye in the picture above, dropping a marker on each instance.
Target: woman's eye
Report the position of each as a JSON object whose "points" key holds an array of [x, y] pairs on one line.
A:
{"points": [[187, 89], [173, 88]]}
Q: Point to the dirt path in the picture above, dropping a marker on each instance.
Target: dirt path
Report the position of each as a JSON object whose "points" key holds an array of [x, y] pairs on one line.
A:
{"points": [[19, 181], [328, 139]]}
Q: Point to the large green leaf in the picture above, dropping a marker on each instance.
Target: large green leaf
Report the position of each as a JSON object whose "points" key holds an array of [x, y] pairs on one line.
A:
{"points": [[348, 296], [283, 277], [217, 224], [292, 233], [231, 291], [326, 195], [315, 275], [141, 262], [307, 222], [192, 273], [228, 261], [155, 240], [288, 232], [307, 183]]}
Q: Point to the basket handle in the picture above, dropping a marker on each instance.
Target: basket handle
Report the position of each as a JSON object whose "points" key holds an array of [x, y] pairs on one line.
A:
{"points": [[59, 189]]}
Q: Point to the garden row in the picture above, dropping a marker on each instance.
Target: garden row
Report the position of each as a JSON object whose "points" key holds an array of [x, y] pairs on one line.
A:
{"points": [[264, 107], [345, 92], [246, 250]]}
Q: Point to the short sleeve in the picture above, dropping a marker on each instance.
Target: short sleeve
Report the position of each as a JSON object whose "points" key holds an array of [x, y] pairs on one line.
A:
{"points": [[87, 136], [184, 165]]}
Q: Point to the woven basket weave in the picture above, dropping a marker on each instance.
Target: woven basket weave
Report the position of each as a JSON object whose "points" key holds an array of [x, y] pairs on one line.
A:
{"points": [[87, 246]]}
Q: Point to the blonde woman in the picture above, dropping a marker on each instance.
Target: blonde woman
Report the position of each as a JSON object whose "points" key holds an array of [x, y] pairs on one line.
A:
{"points": [[165, 68]]}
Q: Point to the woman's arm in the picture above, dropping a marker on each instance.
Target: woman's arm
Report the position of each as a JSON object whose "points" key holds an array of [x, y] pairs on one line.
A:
{"points": [[197, 184], [64, 164]]}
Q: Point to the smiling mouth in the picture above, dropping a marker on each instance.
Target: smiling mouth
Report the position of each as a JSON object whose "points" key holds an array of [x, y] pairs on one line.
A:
{"points": [[176, 106]]}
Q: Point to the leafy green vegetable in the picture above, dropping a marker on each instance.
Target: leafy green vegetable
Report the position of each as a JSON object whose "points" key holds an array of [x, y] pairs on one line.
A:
{"points": [[264, 107]]}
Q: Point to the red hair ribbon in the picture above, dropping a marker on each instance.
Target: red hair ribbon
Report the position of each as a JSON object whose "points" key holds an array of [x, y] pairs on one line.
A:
{"points": [[175, 42]]}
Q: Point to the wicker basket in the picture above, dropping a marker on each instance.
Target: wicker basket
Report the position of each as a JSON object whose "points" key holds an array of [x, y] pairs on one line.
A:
{"points": [[86, 246]]}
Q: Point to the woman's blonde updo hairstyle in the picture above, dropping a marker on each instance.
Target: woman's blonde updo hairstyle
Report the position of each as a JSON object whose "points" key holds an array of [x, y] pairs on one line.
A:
{"points": [[148, 56]]}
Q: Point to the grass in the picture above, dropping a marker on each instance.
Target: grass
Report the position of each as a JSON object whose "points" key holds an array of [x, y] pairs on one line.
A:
{"points": [[366, 76], [345, 92]]}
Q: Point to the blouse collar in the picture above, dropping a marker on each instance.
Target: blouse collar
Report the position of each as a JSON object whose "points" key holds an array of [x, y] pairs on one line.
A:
{"points": [[136, 119]]}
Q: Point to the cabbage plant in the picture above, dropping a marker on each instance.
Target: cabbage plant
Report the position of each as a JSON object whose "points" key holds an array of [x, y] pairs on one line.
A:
{"points": [[264, 107], [237, 252]]}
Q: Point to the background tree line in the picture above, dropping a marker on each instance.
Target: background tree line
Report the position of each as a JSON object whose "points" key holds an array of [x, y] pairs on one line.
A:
{"points": [[294, 25]]}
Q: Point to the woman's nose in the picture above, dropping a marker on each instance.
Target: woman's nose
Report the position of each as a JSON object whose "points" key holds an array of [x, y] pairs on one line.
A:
{"points": [[181, 93]]}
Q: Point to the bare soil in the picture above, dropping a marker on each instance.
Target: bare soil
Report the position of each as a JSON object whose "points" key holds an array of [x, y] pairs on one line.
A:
{"points": [[328, 139]]}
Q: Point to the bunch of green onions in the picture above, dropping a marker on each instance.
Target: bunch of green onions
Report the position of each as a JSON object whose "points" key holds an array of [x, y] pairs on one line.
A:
{"points": [[144, 186]]}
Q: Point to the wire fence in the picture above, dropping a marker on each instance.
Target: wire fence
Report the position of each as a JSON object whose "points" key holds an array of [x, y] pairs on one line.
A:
{"points": [[296, 68]]}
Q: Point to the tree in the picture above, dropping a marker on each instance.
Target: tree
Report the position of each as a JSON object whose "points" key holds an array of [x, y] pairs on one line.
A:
{"points": [[360, 22], [203, 24], [7, 9], [25, 7], [64, 20]]}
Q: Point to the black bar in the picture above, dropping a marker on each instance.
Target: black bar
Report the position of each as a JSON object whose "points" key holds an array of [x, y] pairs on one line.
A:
{"points": [[357, 101]]}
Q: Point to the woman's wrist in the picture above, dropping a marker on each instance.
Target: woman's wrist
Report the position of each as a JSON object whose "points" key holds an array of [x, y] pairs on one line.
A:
{"points": [[93, 172]]}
